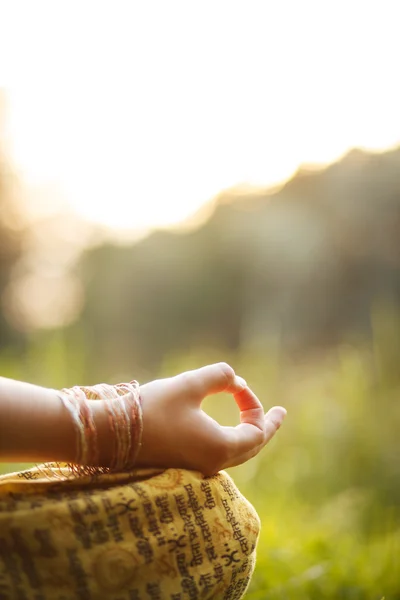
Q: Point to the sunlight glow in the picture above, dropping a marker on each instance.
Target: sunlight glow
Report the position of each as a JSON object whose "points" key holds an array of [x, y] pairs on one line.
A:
{"points": [[139, 112]]}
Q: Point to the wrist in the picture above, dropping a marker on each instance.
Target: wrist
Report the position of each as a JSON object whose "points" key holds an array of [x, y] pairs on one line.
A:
{"points": [[105, 437], [108, 424]]}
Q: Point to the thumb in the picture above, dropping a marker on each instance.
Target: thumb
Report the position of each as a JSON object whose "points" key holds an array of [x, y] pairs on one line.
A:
{"points": [[212, 379]]}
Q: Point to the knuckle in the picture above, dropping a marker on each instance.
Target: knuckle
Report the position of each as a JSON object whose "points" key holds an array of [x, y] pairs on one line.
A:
{"points": [[190, 382], [186, 377]]}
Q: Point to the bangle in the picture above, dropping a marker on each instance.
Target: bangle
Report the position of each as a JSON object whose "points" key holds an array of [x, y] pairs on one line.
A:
{"points": [[123, 405]]}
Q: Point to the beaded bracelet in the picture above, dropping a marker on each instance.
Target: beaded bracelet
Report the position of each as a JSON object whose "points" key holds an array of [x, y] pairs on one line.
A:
{"points": [[124, 410]]}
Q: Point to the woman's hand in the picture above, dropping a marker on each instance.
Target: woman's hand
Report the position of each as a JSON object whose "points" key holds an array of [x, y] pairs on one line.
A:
{"points": [[34, 425], [177, 433]]}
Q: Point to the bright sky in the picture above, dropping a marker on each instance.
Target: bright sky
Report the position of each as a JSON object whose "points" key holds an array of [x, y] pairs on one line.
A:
{"points": [[140, 111]]}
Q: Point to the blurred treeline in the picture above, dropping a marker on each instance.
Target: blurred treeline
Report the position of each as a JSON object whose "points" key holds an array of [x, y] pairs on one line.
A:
{"points": [[299, 289], [304, 268]]}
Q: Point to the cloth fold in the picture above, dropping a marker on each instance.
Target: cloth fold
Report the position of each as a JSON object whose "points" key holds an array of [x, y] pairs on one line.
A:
{"points": [[145, 534]]}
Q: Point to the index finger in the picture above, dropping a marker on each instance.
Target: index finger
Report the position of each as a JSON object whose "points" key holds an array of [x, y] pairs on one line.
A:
{"points": [[254, 429], [251, 409]]}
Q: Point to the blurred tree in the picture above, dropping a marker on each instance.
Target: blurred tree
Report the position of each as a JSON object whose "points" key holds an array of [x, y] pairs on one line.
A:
{"points": [[304, 264], [10, 228]]}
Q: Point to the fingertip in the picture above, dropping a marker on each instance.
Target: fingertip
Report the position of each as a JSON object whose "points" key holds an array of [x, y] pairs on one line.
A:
{"points": [[239, 383], [223, 374], [210, 379], [276, 415]]}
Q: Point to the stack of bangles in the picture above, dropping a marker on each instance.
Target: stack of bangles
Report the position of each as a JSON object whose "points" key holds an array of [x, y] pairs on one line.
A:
{"points": [[124, 410]]}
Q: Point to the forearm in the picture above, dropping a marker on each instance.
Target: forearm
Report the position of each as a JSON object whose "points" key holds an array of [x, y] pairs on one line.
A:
{"points": [[34, 424]]}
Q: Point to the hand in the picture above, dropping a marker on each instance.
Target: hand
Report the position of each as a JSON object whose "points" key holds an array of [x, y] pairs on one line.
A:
{"points": [[177, 433]]}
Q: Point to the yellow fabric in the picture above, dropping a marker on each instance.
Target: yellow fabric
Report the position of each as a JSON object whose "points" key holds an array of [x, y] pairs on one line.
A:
{"points": [[145, 535]]}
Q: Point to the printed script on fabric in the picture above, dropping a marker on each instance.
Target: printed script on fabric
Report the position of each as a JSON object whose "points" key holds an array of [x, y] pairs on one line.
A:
{"points": [[173, 536]]}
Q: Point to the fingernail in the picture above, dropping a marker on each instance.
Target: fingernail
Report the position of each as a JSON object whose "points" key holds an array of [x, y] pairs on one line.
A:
{"points": [[240, 382], [277, 415]]}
